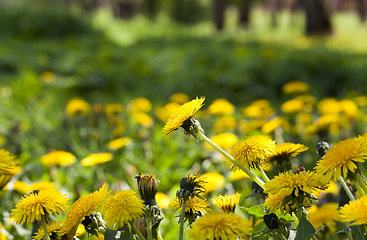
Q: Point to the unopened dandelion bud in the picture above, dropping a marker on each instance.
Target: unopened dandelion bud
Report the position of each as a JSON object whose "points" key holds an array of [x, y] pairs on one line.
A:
{"points": [[148, 187], [271, 221], [322, 148]]}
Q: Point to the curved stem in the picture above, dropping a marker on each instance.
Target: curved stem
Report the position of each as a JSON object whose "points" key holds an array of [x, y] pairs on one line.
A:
{"points": [[359, 189], [136, 230], [347, 190], [182, 217], [43, 220], [230, 158], [263, 174], [362, 183]]}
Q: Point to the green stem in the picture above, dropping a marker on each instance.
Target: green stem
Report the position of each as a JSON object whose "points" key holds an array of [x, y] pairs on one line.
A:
{"points": [[299, 210], [263, 174], [359, 189], [282, 236], [362, 183], [230, 158], [295, 218], [149, 225], [182, 218], [136, 230], [314, 238], [43, 220], [159, 236], [349, 233], [347, 190]]}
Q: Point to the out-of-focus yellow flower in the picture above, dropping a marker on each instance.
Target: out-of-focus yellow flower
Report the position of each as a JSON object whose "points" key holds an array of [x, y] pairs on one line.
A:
{"points": [[271, 125], [96, 158], [164, 113], [258, 109], [58, 158], [119, 143], [328, 106], [18, 186], [44, 185], [48, 77], [144, 119], [326, 214], [295, 87], [223, 140], [113, 108], [238, 175], [333, 189], [139, 105], [162, 199], [6, 91], [2, 140], [349, 108], [120, 127], [253, 111], [77, 106], [325, 124], [224, 123], [213, 181], [9, 166], [361, 101], [221, 106], [179, 98], [293, 106]]}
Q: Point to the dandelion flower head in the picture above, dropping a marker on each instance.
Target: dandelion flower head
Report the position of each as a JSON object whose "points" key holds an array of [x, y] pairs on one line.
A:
{"points": [[284, 152], [77, 106], [58, 158], [214, 226], [193, 205], [53, 228], [344, 159], [36, 204], [355, 212], [119, 143], [326, 214], [227, 203], [96, 158], [182, 115], [295, 87], [221, 106]]}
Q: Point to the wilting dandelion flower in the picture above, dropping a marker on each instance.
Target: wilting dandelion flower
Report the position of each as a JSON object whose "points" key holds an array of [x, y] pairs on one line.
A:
{"points": [[182, 116], [148, 188], [251, 152], [345, 159], [81, 209], [52, 229], [122, 207], [355, 212], [58, 158], [227, 203], [77, 106], [37, 204], [213, 226], [96, 158]]}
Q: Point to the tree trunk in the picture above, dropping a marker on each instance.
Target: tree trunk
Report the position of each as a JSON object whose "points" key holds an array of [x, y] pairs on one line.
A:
{"points": [[244, 12], [317, 19], [219, 10], [361, 9]]}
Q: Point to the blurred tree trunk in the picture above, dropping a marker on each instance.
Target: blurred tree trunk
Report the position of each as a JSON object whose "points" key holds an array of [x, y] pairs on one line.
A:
{"points": [[219, 10], [361, 9], [275, 7], [125, 8], [244, 12], [317, 18]]}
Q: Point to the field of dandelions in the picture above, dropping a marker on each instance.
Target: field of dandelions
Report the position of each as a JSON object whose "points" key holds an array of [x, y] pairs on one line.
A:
{"points": [[110, 137]]}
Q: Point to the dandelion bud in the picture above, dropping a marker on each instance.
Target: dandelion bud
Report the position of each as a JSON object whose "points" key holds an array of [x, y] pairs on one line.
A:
{"points": [[141, 225], [192, 185], [271, 220], [148, 187], [321, 148]]}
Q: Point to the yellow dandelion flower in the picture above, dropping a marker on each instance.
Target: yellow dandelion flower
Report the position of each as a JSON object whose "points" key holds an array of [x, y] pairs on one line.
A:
{"points": [[113, 108], [295, 87], [238, 175], [333, 189], [182, 116], [221, 106], [77, 106], [344, 158], [163, 113], [284, 152], [96, 158], [328, 106], [37, 204], [214, 226], [139, 105], [225, 123], [48, 77], [144, 119], [179, 98], [42, 186], [270, 126], [326, 214], [162, 199], [193, 205], [122, 207], [349, 109], [18, 186], [52, 229], [223, 140], [9, 166], [213, 181], [227, 203], [82, 208], [297, 184], [253, 111], [293, 106], [251, 152], [58, 158], [119, 143], [355, 212], [361, 101], [193, 183]]}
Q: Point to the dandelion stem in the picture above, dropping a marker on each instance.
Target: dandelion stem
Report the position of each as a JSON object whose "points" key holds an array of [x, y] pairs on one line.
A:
{"points": [[362, 183], [230, 158], [347, 190], [149, 225], [359, 189], [263, 174], [136, 230], [43, 220], [182, 217], [349, 233], [299, 210]]}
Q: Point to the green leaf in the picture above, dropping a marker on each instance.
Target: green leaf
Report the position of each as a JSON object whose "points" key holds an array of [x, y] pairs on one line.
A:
{"points": [[111, 234], [257, 211], [305, 230]]}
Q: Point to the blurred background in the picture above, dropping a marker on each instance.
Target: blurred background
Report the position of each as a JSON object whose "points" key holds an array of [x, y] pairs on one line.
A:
{"points": [[75, 75]]}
